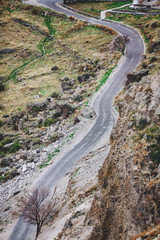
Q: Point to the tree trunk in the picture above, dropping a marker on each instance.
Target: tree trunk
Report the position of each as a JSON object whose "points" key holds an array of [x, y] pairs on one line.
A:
{"points": [[38, 230]]}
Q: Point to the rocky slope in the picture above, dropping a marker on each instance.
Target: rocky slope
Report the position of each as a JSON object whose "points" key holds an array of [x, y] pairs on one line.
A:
{"points": [[127, 203]]}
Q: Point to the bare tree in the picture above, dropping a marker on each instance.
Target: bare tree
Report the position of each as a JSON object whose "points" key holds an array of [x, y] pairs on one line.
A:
{"points": [[36, 207], [119, 43]]}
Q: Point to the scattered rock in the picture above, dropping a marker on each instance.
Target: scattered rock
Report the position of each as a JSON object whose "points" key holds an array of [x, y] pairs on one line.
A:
{"points": [[67, 83], [7, 51], [36, 107], [65, 109], [85, 77]]}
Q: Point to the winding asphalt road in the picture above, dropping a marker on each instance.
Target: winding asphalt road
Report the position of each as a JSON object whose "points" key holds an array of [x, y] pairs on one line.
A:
{"points": [[103, 105]]}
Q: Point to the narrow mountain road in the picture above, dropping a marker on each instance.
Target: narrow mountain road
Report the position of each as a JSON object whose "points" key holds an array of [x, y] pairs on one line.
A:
{"points": [[103, 105]]}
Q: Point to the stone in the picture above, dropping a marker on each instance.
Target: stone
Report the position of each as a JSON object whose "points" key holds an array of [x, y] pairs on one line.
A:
{"points": [[7, 51], [24, 168], [49, 99], [8, 146], [85, 77], [67, 83], [37, 54], [64, 109], [36, 107], [16, 193], [154, 24], [89, 113], [23, 155], [5, 162], [76, 120], [20, 79], [54, 68], [1, 86], [152, 65], [157, 112], [56, 137], [68, 224], [39, 121], [14, 173], [154, 46], [5, 116], [1, 136], [136, 76], [1, 106], [78, 98]]}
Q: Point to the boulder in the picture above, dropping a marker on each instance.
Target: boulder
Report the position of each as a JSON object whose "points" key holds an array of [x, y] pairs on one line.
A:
{"points": [[5, 162], [154, 24], [14, 173], [89, 113], [154, 46], [67, 83], [85, 77], [36, 107], [7, 51], [55, 68], [136, 76], [65, 109]]}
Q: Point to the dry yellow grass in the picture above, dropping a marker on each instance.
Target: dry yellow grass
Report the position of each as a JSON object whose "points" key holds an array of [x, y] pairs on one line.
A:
{"points": [[69, 41]]}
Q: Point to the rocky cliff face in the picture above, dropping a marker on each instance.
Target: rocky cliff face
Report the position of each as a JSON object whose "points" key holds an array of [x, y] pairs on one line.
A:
{"points": [[127, 204]]}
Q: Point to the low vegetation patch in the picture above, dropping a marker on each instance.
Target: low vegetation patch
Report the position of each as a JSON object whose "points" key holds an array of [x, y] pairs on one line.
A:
{"points": [[94, 8], [105, 77]]}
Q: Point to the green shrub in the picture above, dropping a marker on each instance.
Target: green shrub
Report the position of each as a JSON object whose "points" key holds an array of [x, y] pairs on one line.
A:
{"points": [[54, 95], [48, 122], [36, 109], [15, 147]]}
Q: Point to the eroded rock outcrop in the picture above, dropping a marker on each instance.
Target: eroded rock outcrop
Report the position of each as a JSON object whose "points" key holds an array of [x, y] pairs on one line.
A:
{"points": [[127, 204]]}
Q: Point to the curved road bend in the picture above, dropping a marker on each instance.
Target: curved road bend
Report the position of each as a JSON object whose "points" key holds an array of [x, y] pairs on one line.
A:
{"points": [[103, 106]]}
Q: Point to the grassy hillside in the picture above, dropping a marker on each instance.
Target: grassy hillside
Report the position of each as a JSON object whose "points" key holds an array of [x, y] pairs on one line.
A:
{"points": [[50, 66], [48, 40]]}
